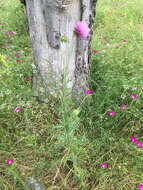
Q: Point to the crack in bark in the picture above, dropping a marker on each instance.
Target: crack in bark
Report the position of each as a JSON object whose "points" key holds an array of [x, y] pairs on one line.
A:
{"points": [[52, 17]]}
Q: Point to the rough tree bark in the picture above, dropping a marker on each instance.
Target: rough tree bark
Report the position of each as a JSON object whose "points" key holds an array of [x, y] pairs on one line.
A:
{"points": [[49, 20]]}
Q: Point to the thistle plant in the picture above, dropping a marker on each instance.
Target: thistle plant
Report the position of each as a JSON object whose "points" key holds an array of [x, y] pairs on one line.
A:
{"points": [[70, 121]]}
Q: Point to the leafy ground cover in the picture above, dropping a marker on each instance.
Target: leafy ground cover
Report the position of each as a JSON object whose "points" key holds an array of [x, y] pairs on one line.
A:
{"points": [[91, 147]]}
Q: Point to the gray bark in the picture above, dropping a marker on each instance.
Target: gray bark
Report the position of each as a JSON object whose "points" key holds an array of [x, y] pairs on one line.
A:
{"points": [[48, 21]]}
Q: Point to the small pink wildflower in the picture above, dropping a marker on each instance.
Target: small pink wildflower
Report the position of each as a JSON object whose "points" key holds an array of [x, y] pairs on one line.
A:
{"points": [[133, 139], [139, 144], [105, 43], [141, 186], [105, 38], [27, 28], [12, 32], [88, 91], [17, 61], [116, 46], [123, 106], [104, 165], [95, 51], [112, 113], [16, 109], [18, 55], [6, 42], [27, 79], [124, 41], [82, 29], [9, 162], [8, 47], [3, 45], [134, 96], [6, 33], [3, 75]]}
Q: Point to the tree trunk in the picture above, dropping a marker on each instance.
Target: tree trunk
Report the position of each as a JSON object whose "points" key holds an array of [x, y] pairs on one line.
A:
{"points": [[49, 20]]}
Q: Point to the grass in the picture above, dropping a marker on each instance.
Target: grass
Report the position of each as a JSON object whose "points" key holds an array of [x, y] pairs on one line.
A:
{"points": [[61, 149]]}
